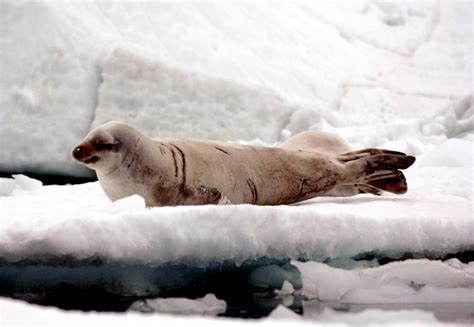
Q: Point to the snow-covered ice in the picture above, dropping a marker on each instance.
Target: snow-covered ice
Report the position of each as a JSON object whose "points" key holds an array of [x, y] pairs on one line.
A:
{"points": [[207, 305], [19, 183], [411, 281], [379, 74], [184, 104], [434, 218], [371, 317], [17, 312], [376, 317], [286, 289], [162, 65], [77, 223]]}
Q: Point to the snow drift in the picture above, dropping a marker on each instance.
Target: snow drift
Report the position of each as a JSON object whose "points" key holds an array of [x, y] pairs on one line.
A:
{"points": [[185, 70], [16, 312], [79, 221], [391, 75]]}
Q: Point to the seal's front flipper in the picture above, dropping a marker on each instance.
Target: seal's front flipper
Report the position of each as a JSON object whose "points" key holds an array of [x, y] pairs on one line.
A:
{"points": [[378, 169], [223, 201], [209, 195]]}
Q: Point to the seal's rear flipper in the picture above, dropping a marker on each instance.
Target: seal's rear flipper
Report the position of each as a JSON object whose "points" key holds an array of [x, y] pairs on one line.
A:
{"points": [[397, 185], [353, 189], [378, 169]]}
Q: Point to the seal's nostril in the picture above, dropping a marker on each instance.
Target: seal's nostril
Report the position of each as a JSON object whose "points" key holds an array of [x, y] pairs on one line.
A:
{"points": [[77, 152]]}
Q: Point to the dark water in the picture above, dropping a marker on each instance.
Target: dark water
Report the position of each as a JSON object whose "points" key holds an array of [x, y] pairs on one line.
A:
{"points": [[252, 306], [115, 287], [94, 286], [52, 179]]}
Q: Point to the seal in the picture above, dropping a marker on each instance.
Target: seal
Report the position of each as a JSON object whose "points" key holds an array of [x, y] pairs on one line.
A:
{"points": [[170, 172], [333, 145]]}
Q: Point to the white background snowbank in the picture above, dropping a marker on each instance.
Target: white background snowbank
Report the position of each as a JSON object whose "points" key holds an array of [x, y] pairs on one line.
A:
{"points": [[167, 102], [392, 75], [224, 70]]}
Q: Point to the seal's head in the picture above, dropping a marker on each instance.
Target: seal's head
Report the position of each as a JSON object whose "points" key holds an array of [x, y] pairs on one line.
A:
{"points": [[106, 147]]}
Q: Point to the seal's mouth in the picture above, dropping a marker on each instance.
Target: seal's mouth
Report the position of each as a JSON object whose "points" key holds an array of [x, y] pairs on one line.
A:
{"points": [[91, 160]]}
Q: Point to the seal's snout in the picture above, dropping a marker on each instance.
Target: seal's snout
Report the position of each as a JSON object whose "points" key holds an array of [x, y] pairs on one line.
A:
{"points": [[84, 154]]}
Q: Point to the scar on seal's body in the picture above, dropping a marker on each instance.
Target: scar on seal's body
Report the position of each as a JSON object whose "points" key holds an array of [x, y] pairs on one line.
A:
{"points": [[253, 190], [222, 150]]}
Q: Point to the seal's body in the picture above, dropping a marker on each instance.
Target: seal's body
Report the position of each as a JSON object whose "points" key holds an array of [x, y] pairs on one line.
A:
{"points": [[193, 172]]}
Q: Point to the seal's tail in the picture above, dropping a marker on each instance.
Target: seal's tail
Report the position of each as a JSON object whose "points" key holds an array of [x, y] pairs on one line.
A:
{"points": [[376, 170]]}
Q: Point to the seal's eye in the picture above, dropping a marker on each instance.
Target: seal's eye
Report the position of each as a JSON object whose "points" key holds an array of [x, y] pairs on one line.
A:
{"points": [[104, 146]]}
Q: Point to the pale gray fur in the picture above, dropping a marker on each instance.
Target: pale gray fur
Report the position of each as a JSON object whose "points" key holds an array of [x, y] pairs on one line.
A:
{"points": [[189, 172]]}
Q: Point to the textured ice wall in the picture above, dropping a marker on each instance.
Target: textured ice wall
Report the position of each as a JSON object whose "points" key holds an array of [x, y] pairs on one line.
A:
{"points": [[285, 57], [49, 79], [433, 219], [166, 102], [412, 281]]}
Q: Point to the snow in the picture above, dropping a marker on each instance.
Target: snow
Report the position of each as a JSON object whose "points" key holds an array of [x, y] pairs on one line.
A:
{"points": [[182, 69], [19, 313], [185, 104], [379, 317], [79, 221], [286, 289], [371, 317], [49, 79], [18, 184], [282, 312], [410, 281], [207, 305], [15, 313], [379, 74], [286, 295]]}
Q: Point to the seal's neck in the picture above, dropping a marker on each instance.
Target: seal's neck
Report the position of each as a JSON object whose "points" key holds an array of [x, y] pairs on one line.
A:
{"points": [[118, 181], [130, 156]]}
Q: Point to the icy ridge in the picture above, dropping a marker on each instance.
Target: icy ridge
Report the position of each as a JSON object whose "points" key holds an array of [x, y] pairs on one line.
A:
{"points": [[311, 75], [127, 232], [398, 282]]}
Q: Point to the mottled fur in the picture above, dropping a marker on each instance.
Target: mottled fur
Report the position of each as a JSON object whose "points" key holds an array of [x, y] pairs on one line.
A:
{"points": [[193, 172]]}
